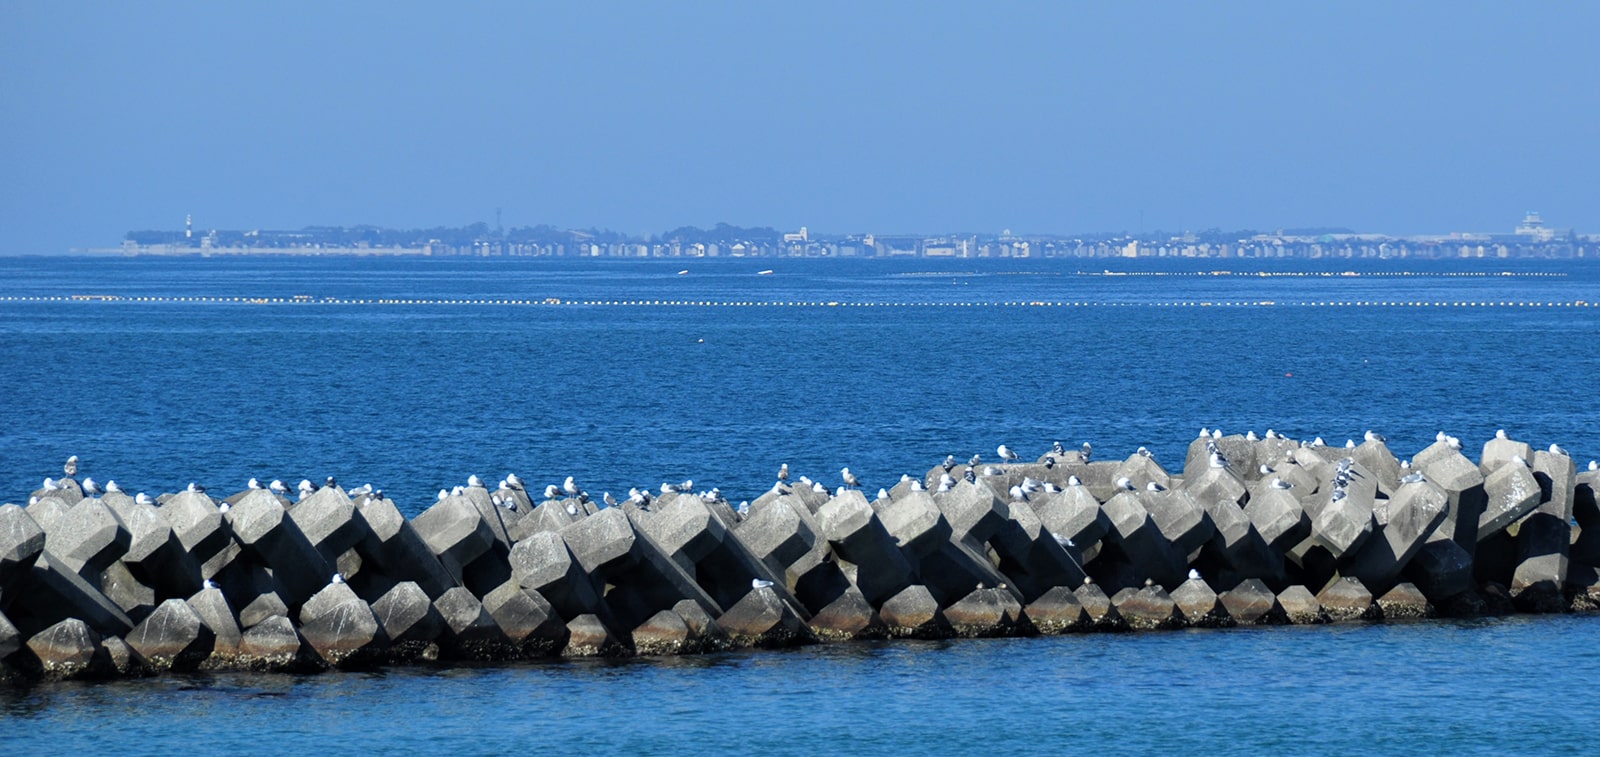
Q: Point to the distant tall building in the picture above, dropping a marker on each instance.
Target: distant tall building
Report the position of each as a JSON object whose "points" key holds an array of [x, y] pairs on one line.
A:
{"points": [[1533, 229]]}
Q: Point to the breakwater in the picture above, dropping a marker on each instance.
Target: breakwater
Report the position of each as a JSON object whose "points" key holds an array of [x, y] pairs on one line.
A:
{"points": [[1247, 531]]}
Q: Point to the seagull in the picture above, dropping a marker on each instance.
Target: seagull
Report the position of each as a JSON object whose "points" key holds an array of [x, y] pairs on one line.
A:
{"points": [[759, 583], [946, 482], [224, 507], [1142, 452], [1317, 442], [1204, 432], [1149, 582], [973, 463], [1125, 483], [252, 484], [338, 578], [1154, 487], [1337, 495], [1074, 481], [744, 508], [508, 503], [1088, 581], [1194, 575], [474, 482], [143, 499], [50, 485], [1051, 487], [1555, 449], [1250, 436], [1279, 483], [329, 482], [1218, 461], [572, 508], [112, 488], [552, 492], [883, 493], [1594, 465], [196, 488], [1413, 478], [990, 470], [949, 463], [1049, 462], [1006, 454], [850, 479], [917, 485], [783, 472], [444, 494], [1349, 444], [208, 584], [1454, 442], [1500, 434], [278, 487], [1216, 433], [1085, 451], [687, 485], [1373, 436], [817, 487], [971, 476], [1519, 459], [71, 468], [1264, 469], [513, 482], [1441, 436], [1405, 465], [1017, 494], [608, 499], [570, 486], [307, 488], [90, 487]]}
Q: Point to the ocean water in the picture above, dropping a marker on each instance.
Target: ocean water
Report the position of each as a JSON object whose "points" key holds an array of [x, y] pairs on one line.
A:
{"points": [[884, 366]]}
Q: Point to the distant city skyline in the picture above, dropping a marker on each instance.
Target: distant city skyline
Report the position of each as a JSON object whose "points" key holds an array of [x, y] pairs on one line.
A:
{"points": [[1531, 238], [893, 117]]}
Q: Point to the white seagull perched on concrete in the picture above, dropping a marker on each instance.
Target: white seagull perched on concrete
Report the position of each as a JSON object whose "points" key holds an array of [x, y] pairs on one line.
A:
{"points": [[208, 584], [1500, 434], [513, 482], [783, 472], [759, 583], [143, 499], [1006, 454], [850, 479], [552, 492], [1373, 436], [1074, 481], [71, 467], [50, 485], [252, 484], [1555, 449], [112, 488], [278, 487], [90, 487], [1124, 483], [1279, 483], [1194, 575], [570, 486], [475, 482]]}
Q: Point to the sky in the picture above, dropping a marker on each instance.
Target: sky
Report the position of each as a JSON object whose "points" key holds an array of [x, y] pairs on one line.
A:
{"points": [[884, 117]]}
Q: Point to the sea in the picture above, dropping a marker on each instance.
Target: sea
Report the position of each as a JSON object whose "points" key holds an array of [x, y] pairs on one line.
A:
{"points": [[412, 374]]}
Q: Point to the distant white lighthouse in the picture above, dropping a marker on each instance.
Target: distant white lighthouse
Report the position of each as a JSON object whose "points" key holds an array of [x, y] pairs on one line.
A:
{"points": [[188, 226]]}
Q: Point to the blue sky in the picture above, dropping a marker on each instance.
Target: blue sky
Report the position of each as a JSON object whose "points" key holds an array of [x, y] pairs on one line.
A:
{"points": [[842, 116]]}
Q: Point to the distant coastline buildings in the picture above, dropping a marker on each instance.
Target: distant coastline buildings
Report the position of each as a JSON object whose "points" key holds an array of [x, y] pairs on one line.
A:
{"points": [[1529, 239]]}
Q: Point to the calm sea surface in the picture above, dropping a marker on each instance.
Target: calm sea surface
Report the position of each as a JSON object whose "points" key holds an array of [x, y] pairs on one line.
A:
{"points": [[912, 361]]}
